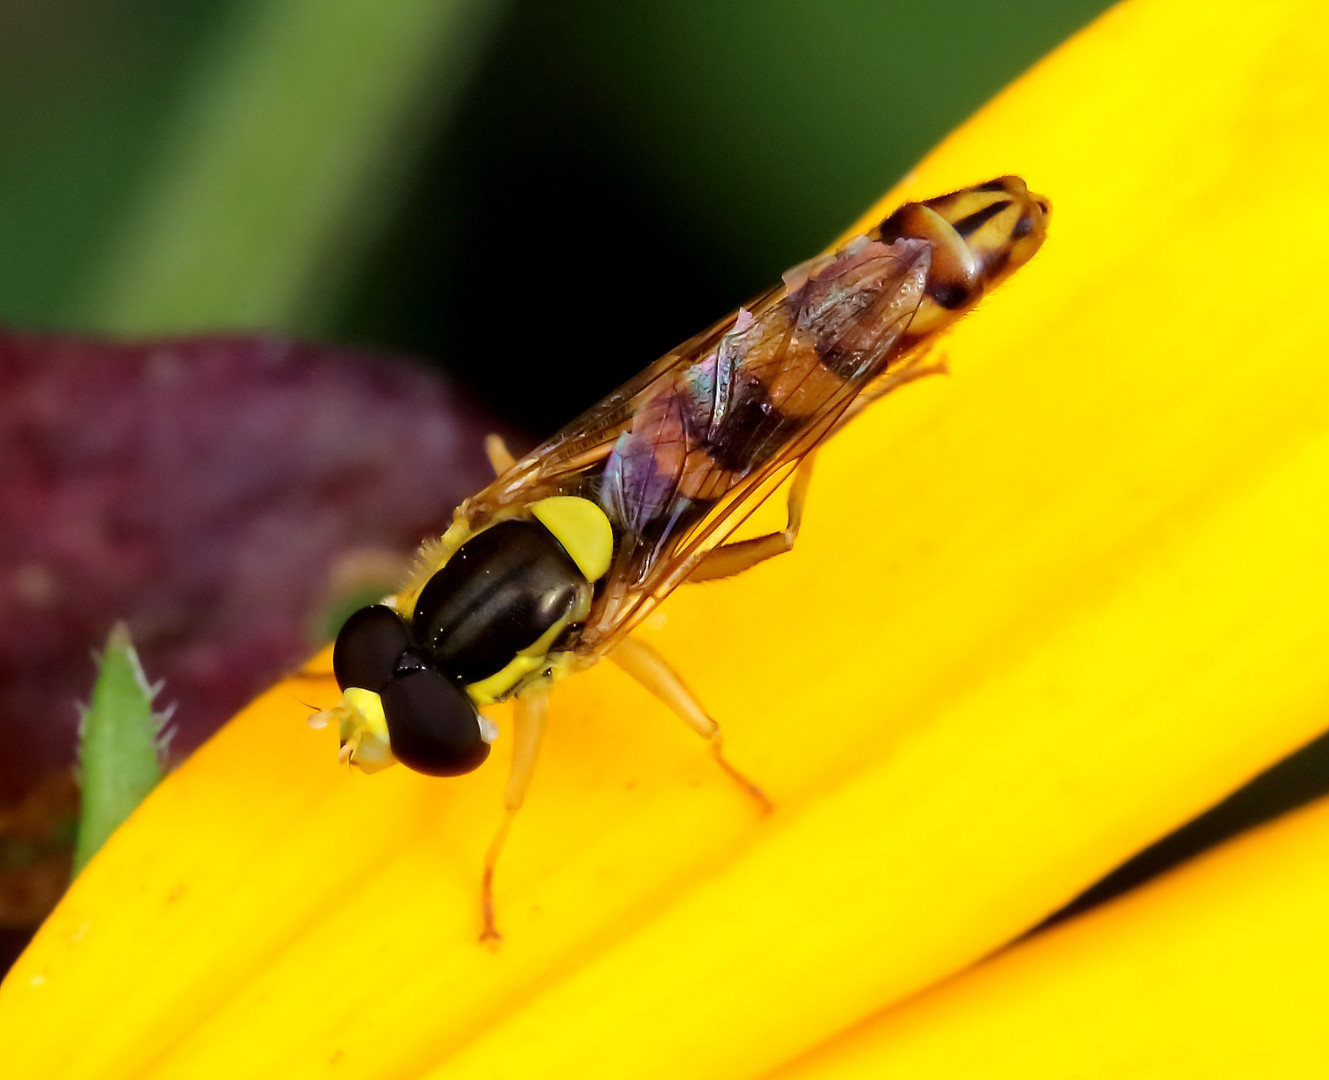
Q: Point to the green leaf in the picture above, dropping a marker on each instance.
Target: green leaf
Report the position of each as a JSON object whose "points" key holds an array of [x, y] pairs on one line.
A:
{"points": [[120, 748], [283, 159]]}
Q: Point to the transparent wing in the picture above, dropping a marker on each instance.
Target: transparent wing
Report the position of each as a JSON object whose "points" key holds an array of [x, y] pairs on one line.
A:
{"points": [[570, 458], [680, 455], [858, 327]]}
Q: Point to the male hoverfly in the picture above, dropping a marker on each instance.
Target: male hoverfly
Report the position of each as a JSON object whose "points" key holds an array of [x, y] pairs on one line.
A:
{"points": [[550, 567]]}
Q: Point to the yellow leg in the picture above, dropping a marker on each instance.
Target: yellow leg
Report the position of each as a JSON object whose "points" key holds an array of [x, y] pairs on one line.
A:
{"points": [[500, 457], [730, 559], [916, 368], [649, 668], [528, 726]]}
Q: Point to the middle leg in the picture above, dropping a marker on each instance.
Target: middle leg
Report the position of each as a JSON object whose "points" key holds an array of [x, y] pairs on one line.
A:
{"points": [[649, 668]]}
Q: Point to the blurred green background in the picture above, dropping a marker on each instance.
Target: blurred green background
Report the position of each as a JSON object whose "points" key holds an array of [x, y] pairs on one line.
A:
{"points": [[541, 196]]}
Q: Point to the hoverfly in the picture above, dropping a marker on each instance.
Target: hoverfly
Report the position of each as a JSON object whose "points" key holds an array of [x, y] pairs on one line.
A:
{"points": [[549, 568]]}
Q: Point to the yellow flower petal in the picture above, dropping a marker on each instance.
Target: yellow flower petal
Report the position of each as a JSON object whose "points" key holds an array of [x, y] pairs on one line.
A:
{"points": [[1214, 971], [1040, 613]]}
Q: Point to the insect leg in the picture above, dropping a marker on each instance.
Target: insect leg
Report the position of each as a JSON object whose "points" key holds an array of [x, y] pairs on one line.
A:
{"points": [[649, 668], [915, 368], [500, 457], [730, 559], [528, 726]]}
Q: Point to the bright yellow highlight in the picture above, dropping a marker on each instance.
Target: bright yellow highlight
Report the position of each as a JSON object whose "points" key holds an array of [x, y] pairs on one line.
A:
{"points": [[583, 530], [1088, 574], [1215, 971]]}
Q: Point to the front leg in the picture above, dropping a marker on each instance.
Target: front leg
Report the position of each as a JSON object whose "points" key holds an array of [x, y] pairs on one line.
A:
{"points": [[528, 726]]}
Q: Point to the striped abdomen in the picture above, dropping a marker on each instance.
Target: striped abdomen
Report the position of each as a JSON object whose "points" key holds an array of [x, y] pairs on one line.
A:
{"points": [[806, 355]]}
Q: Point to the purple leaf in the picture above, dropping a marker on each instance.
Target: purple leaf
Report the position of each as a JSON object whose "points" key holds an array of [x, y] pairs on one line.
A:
{"points": [[206, 491]]}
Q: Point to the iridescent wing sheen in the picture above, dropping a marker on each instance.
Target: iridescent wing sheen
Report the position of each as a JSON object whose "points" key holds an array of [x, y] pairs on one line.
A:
{"points": [[663, 556], [571, 458], [709, 469]]}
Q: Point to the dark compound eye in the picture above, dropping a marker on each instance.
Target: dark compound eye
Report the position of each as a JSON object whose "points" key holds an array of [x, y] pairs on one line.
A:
{"points": [[368, 647], [497, 595], [433, 727]]}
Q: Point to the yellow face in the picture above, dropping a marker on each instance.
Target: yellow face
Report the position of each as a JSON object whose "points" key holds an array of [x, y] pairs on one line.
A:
{"points": [[403, 674]]}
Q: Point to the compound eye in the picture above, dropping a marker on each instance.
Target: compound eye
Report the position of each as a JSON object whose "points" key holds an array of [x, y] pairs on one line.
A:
{"points": [[368, 647], [433, 727]]}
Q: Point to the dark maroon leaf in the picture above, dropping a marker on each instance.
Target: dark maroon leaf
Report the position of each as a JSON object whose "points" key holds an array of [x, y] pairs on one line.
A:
{"points": [[207, 491]]}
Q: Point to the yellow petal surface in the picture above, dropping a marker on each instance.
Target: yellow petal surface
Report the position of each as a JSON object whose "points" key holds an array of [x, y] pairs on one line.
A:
{"points": [[1215, 971], [1040, 613]]}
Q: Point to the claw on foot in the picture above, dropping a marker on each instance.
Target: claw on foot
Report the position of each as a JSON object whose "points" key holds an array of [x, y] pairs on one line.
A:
{"points": [[762, 799], [489, 933]]}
